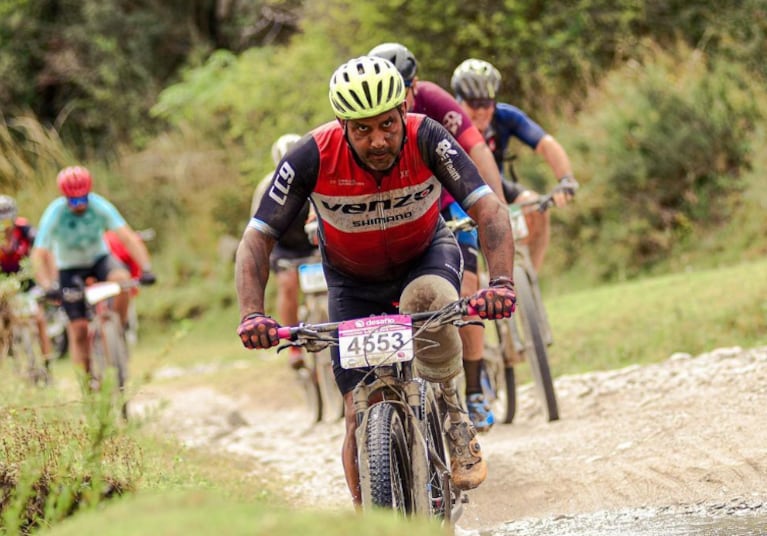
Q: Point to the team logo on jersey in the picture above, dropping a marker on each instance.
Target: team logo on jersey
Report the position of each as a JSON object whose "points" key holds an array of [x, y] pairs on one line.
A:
{"points": [[379, 210], [452, 121], [445, 150]]}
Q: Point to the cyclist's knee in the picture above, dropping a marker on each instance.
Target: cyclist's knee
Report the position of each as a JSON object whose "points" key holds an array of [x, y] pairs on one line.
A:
{"points": [[119, 274], [439, 350]]}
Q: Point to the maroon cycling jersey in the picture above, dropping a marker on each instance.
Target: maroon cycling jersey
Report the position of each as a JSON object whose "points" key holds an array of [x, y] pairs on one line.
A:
{"points": [[370, 230], [433, 101], [16, 246]]}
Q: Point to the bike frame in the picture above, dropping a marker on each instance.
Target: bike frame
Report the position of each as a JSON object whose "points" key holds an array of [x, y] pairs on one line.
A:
{"points": [[529, 329], [417, 403]]}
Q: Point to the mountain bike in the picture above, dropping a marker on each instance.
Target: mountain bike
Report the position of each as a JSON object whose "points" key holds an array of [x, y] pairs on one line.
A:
{"points": [[523, 337], [109, 351], [20, 339], [56, 322], [317, 379], [402, 454]]}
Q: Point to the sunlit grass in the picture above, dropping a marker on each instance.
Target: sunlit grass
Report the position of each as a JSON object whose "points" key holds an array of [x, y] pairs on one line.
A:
{"points": [[646, 321]]}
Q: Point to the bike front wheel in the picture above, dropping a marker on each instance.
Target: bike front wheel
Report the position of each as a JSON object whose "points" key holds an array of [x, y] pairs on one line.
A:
{"points": [[528, 317], [389, 459], [498, 379], [28, 355]]}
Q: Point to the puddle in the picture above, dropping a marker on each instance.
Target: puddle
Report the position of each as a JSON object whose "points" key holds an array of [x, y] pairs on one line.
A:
{"points": [[738, 518]]}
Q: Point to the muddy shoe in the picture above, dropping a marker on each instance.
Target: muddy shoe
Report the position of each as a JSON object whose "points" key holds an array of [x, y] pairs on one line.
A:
{"points": [[466, 464]]}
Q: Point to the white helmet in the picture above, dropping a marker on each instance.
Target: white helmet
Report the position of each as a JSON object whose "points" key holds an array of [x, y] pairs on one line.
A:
{"points": [[8, 209], [283, 144]]}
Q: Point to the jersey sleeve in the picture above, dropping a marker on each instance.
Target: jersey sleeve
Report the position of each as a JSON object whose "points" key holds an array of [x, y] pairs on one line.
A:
{"points": [[291, 184], [451, 164], [47, 221], [518, 124], [112, 216]]}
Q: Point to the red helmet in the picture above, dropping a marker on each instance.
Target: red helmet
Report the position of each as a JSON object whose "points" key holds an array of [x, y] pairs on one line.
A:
{"points": [[74, 181]]}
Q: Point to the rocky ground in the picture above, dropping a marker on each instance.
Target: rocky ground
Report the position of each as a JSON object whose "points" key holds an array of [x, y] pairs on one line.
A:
{"points": [[684, 437]]}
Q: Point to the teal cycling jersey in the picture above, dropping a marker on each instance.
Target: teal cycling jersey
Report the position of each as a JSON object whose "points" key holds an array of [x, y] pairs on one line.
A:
{"points": [[77, 240]]}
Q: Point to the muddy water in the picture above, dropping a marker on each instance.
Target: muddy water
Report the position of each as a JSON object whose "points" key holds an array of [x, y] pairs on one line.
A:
{"points": [[737, 518]]}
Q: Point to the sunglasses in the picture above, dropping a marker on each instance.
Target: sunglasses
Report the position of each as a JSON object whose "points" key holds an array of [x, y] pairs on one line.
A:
{"points": [[76, 202], [479, 103]]}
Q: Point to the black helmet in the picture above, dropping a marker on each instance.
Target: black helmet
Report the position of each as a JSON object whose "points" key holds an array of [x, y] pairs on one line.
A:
{"points": [[400, 56]]}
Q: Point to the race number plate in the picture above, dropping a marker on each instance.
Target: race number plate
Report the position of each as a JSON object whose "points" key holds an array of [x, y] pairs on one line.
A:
{"points": [[377, 340], [312, 278], [518, 222]]}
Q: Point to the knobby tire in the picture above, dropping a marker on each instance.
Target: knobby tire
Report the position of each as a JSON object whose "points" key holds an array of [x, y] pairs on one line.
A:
{"points": [[500, 375], [537, 356], [389, 459]]}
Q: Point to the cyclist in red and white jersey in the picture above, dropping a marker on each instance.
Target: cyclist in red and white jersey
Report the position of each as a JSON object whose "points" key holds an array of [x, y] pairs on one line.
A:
{"points": [[374, 177], [431, 100], [294, 244], [15, 246]]}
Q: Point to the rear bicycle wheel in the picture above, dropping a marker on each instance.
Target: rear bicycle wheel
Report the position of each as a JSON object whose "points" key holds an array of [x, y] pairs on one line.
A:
{"points": [[109, 357], [440, 489], [117, 350], [389, 459], [528, 316]]}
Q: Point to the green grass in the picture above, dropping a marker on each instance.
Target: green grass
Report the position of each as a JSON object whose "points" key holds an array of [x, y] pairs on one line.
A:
{"points": [[646, 321], [202, 513], [171, 489]]}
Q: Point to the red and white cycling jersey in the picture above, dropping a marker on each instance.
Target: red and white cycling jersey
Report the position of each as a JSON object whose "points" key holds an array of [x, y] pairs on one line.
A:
{"points": [[371, 230]]}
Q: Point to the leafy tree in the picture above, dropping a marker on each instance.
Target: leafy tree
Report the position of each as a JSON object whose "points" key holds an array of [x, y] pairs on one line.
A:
{"points": [[93, 68]]}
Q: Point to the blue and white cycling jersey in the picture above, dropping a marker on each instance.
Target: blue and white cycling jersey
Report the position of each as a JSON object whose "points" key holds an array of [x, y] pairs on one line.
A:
{"points": [[510, 121], [77, 240]]}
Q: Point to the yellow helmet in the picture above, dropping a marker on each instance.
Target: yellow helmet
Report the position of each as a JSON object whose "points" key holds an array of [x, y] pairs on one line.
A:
{"points": [[365, 87]]}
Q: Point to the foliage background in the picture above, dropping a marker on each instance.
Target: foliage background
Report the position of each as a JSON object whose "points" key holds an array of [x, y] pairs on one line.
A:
{"points": [[174, 105]]}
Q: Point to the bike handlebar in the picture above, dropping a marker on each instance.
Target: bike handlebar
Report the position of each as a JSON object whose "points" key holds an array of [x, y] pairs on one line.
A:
{"points": [[93, 293], [542, 204], [452, 313]]}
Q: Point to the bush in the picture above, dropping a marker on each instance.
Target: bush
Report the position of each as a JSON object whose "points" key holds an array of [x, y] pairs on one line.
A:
{"points": [[661, 149]]}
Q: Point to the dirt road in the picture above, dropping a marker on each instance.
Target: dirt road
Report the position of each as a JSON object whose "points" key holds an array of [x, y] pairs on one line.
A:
{"points": [[689, 430]]}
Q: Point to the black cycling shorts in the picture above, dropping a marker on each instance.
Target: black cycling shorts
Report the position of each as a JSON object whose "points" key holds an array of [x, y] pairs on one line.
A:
{"points": [[75, 278], [349, 298]]}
